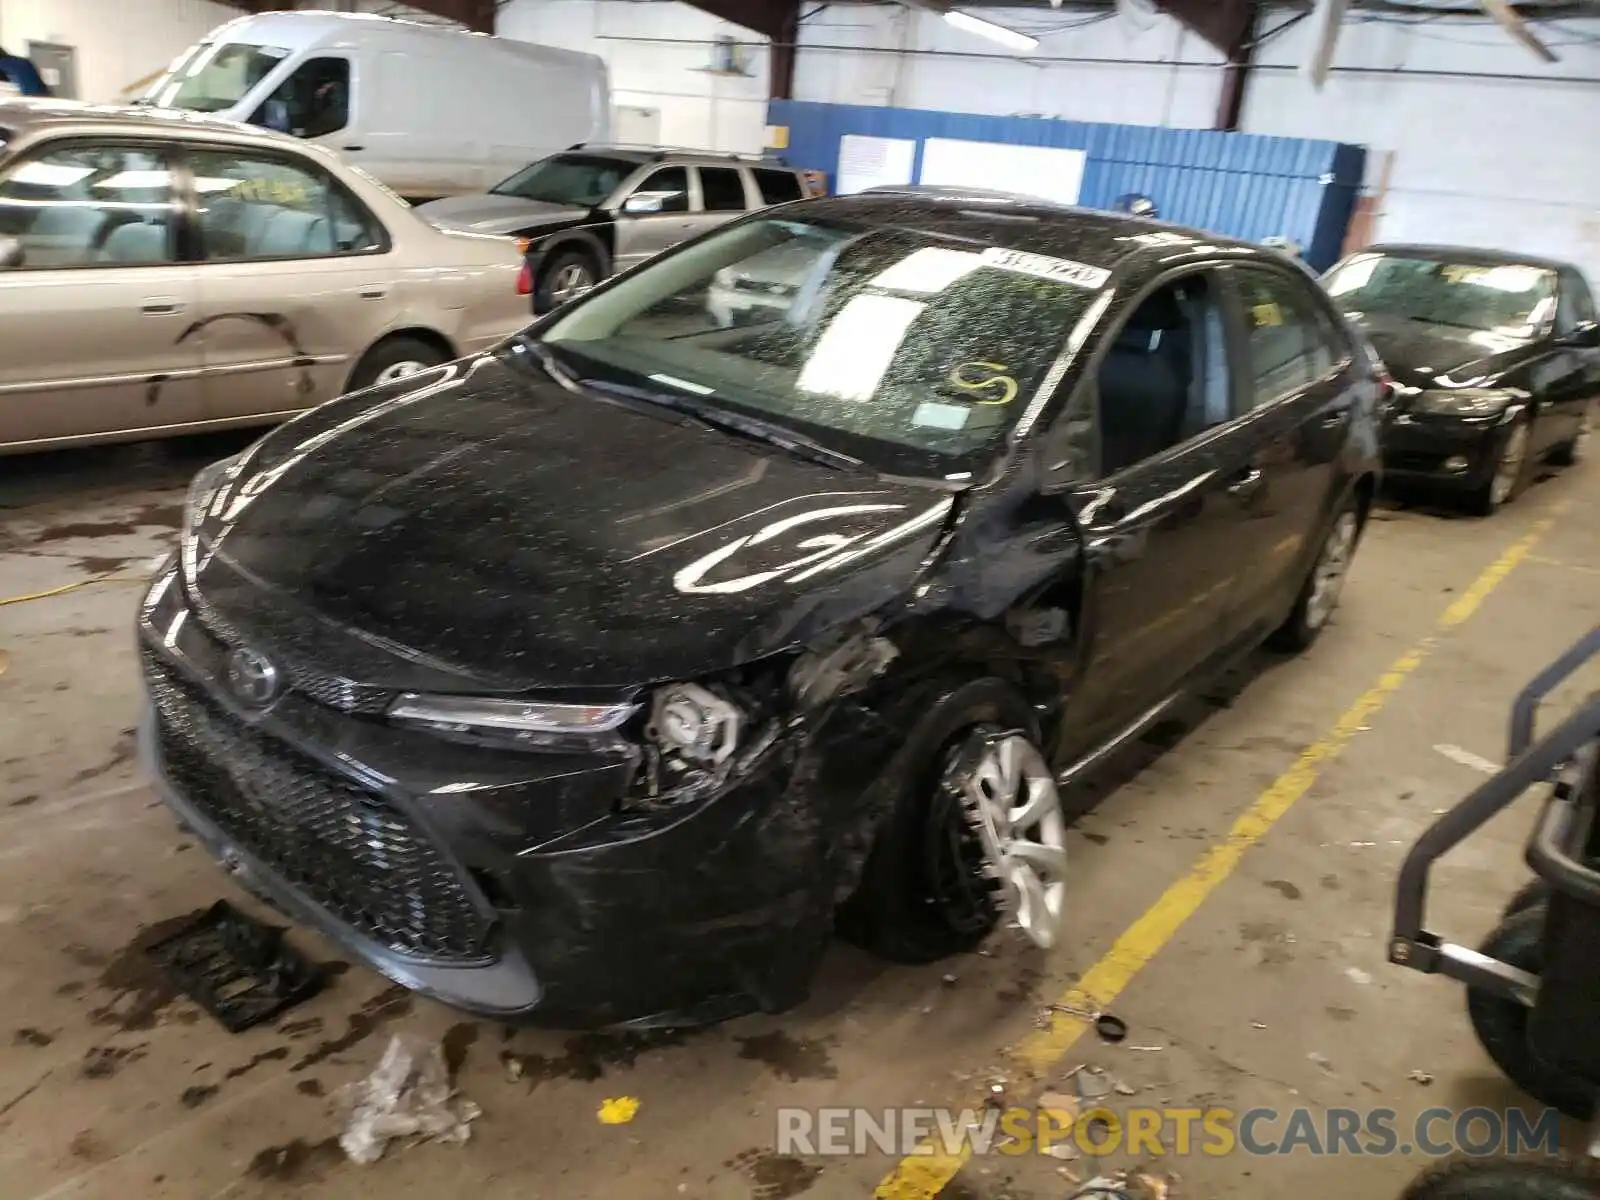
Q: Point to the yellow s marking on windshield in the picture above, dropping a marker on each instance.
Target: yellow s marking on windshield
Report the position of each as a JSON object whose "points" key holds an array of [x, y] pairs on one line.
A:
{"points": [[986, 381]]}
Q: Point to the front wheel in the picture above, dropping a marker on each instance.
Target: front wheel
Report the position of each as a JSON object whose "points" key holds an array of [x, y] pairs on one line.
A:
{"points": [[1510, 469], [566, 276], [976, 832], [1319, 595]]}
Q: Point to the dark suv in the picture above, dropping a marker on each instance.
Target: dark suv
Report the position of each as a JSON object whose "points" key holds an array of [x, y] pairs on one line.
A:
{"points": [[596, 677]]}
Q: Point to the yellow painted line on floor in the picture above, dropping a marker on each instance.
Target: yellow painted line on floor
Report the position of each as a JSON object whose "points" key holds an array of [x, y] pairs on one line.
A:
{"points": [[923, 1174], [1544, 560]]}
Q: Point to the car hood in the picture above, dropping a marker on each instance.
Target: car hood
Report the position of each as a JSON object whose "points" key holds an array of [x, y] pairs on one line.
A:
{"points": [[1427, 356], [489, 213], [484, 523]]}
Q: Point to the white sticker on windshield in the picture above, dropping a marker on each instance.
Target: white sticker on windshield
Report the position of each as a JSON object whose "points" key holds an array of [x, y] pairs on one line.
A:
{"points": [[1060, 270], [941, 416]]}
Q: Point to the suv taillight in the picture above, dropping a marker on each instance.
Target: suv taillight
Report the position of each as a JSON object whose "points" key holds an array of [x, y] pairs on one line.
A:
{"points": [[525, 280]]}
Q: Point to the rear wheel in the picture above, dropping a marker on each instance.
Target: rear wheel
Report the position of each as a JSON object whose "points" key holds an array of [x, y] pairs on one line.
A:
{"points": [[1319, 596], [395, 358], [1502, 1024], [1572, 450], [1506, 1179]]}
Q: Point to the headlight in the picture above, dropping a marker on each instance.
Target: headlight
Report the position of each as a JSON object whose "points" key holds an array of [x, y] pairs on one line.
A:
{"points": [[468, 714], [1463, 402]]}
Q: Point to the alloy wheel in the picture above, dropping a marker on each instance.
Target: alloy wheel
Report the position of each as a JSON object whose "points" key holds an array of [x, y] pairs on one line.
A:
{"points": [[1333, 564], [1509, 467], [1014, 807], [570, 282]]}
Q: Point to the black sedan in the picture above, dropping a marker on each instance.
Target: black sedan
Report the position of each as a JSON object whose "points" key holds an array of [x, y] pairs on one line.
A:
{"points": [[1495, 359], [595, 678]]}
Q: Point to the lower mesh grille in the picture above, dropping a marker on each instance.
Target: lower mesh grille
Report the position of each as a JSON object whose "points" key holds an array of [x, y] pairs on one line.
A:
{"points": [[345, 849]]}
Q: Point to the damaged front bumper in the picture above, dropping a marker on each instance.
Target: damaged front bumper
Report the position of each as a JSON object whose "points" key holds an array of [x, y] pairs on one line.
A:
{"points": [[517, 885]]}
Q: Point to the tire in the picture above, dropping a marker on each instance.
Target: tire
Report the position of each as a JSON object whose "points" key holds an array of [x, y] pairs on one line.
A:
{"points": [[562, 277], [1501, 1024], [1313, 607], [893, 912], [1506, 1179], [394, 358], [1533, 894], [1570, 452], [1499, 490]]}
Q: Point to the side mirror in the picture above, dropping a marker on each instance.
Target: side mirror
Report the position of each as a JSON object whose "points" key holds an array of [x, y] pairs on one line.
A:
{"points": [[1586, 336], [642, 204], [1066, 456], [11, 253]]}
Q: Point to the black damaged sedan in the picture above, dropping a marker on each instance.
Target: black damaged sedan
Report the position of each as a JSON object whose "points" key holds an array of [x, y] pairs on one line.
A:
{"points": [[775, 586], [1495, 359]]}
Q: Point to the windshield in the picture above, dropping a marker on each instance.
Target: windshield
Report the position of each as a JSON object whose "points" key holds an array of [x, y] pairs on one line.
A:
{"points": [[215, 77], [581, 179], [1512, 301], [912, 352]]}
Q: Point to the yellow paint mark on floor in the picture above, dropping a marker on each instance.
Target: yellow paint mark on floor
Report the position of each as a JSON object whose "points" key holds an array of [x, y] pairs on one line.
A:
{"points": [[923, 1175], [618, 1110]]}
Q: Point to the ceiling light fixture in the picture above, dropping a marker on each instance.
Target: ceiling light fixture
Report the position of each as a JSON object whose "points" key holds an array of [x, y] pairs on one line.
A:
{"points": [[988, 29]]}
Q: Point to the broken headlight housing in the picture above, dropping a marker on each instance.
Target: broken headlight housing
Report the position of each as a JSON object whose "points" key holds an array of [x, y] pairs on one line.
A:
{"points": [[1464, 402], [203, 489]]}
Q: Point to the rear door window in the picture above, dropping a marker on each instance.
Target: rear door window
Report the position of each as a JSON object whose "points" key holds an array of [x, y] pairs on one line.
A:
{"points": [[89, 204], [722, 189]]}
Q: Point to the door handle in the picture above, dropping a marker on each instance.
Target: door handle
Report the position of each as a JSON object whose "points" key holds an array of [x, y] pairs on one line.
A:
{"points": [[354, 149], [374, 293], [1246, 483], [160, 306]]}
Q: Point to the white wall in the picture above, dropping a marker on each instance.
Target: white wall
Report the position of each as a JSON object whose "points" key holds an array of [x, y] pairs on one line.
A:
{"points": [[885, 54], [1478, 161], [658, 54], [118, 41]]}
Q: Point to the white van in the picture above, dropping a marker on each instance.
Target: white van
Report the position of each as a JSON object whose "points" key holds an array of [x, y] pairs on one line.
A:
{"points": [[428, 110]]}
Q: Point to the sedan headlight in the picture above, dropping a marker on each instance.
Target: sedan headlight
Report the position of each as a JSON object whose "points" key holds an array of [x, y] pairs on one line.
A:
{"points": [[485, 714], [1463, 402]]}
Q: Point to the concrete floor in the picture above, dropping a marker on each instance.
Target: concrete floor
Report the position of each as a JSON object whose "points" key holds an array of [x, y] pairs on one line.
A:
{"points": [[1274, 992]]}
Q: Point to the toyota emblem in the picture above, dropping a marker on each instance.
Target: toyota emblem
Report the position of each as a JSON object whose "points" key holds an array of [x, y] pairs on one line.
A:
{"points": [[252, 677]]}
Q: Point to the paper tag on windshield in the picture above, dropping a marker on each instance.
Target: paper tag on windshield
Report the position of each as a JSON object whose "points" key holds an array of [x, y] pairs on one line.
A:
{"points": [[941, 416], [1059, 270]]}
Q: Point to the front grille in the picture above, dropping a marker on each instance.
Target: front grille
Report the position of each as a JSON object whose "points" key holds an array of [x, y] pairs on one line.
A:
{"points": [[347, 850], [327, 689]]}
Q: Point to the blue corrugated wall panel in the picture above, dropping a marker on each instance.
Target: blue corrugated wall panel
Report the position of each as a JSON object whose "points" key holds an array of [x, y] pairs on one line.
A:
{"points": [[1244, 185]]}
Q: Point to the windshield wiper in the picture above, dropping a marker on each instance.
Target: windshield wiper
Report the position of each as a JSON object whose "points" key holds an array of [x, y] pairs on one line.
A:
{"points": [[736, 423]]}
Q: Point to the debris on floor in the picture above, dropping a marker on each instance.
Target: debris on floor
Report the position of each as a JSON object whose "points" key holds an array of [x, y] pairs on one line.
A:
{"points": [[237, 968], [409, 1093], [1124, 1185], [1422, 1077]]}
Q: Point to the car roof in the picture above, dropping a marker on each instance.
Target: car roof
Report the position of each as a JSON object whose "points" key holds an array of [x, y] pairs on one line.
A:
{"points": [[23, 117], [668, 154], [1476, 255], [1092, 236]]}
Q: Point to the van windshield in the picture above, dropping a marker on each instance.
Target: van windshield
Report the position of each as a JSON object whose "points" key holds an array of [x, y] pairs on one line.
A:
{"points": [[215, 77], [578, 179]]}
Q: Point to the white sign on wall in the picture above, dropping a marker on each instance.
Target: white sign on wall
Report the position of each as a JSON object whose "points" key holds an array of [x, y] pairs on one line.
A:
{"points": [[866, 162], [1044, 171]]}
